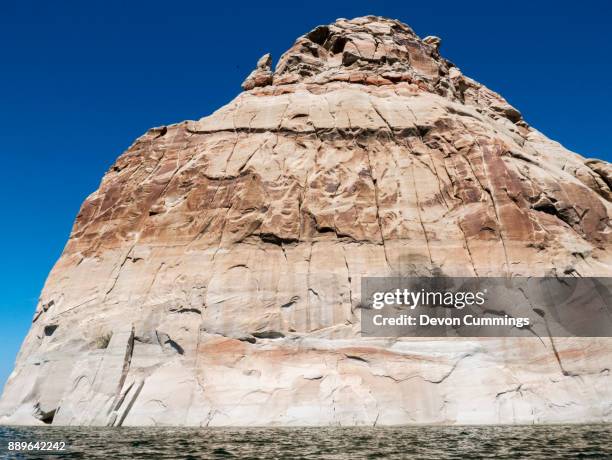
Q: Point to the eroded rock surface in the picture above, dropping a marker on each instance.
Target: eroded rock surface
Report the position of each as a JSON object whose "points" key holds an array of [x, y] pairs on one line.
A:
{"points": [[214, 277]]}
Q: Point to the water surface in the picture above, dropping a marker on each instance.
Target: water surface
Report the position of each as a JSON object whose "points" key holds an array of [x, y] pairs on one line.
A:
{"points": [[423, 442]]}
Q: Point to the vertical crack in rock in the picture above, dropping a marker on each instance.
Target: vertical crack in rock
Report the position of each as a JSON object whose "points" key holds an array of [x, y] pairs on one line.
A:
{"points": [[490, 191], [437, 176], [418, 210], [384, 120], [467, 248], [557, 356], [308, 290], [124, 260], [132, 400], [153, 279], [129, 349], [348, 280], [377, 204], [231, 154]]}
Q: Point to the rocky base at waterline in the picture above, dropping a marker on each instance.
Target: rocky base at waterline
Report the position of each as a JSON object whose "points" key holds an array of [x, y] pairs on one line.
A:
{"points": [[214, 277]]}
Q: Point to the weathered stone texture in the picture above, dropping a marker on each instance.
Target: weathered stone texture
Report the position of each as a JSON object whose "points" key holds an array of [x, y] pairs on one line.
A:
{"points": [[214, 277]]}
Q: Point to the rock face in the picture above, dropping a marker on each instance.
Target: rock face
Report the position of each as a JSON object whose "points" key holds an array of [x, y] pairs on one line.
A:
{"points": [[214, 277]]}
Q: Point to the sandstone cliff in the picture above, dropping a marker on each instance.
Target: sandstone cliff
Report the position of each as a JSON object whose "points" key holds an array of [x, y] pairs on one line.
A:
{"points": [[214, 277]]}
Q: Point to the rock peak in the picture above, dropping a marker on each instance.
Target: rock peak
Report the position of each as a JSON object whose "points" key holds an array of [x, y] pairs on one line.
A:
{"points": [[375, 51], [372, 45]]}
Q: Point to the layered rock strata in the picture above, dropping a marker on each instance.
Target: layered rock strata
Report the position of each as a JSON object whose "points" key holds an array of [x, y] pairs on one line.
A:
{"points": [[214, 277]]}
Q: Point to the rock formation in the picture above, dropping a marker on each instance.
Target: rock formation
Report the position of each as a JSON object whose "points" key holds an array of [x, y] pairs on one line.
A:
{"points": [[214, 277]]}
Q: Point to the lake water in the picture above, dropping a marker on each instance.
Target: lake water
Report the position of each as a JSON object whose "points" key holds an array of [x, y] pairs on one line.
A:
{"points": [[424, 442]]}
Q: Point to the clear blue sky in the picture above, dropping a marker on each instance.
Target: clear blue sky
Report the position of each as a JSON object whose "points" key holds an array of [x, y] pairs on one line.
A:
{"points": [[80, 80]]}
